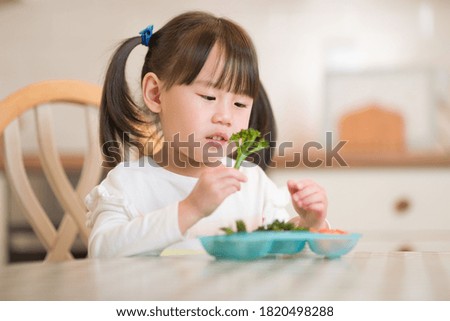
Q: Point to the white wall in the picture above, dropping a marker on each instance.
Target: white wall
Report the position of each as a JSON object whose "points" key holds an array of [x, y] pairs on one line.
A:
{"points": [[297, 40]]}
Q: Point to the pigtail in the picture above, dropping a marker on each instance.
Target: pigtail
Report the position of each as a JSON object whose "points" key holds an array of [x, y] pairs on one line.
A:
{"points": [[262, 119], [121, 119]]}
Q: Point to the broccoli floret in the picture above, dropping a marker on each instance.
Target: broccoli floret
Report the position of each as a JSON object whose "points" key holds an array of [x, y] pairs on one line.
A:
{"points": [[274, 226], [248, 141], [281, 226], [240, 227], [227, 230]]}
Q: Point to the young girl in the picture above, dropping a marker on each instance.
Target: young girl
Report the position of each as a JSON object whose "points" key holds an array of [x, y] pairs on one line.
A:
{"points": [[199, 80]]}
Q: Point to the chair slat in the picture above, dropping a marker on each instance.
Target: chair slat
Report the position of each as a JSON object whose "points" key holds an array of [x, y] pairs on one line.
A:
{"points": [[66, 235], [20, 186], [54, 171]]}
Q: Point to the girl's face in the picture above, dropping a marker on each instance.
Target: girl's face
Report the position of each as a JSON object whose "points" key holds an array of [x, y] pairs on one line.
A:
{"points": [[198, 119]]}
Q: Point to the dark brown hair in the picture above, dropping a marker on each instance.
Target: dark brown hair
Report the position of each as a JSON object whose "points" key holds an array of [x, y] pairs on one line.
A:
{"points": [[176, 54], [262, 118]]}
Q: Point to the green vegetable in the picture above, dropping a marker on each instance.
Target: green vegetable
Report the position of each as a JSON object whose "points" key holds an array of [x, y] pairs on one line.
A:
{"points": [[281, 226], [275, 226], [248, 141], [240, 227], [227, 230]]}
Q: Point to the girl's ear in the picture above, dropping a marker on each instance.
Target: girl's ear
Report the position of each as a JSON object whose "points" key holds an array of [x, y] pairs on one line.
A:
{"points": [[151, 90]]}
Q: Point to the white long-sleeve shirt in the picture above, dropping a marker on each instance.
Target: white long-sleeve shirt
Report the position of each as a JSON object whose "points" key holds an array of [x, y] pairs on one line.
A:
{"points": [[134, 211]]}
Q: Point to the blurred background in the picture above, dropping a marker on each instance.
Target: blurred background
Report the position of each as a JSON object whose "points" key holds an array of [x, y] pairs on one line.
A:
{"points": [[322, 62]]}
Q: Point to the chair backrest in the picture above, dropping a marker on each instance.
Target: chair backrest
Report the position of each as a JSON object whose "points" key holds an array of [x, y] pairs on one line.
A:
{"points": [[39, 97], [372, 129]]}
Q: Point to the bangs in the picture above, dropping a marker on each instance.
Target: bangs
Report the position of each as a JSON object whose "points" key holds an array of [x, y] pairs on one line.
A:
{"points": [[239, 74], [237, 58]]}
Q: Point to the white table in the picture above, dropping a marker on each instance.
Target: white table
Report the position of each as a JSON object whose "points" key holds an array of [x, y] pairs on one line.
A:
{"points": [[357, 276]]}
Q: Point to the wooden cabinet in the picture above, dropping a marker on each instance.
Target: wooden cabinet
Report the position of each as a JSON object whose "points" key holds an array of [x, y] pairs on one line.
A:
{"points": [[396, 208]]}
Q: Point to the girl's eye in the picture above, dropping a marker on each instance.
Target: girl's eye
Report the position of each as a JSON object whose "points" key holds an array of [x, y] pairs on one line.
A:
{"points": [[240, 105], [208, 97]]}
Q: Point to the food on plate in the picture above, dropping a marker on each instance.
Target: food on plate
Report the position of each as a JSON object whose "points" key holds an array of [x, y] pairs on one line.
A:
{"points": [[281, 226], [327, 231], [274, 226], [240, 227]]}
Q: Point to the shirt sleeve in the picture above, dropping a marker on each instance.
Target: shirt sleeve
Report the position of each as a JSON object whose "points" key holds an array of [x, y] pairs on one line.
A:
{"points": [[276, 200], [119, 230]]}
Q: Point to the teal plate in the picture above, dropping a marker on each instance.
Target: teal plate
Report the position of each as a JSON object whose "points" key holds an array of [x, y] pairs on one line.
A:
{"points": [[333, 245], [255, 245], [238, 246]]}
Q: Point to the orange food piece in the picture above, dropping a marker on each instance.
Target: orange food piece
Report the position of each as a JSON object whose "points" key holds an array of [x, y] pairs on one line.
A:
{"points": [[327, 231]]}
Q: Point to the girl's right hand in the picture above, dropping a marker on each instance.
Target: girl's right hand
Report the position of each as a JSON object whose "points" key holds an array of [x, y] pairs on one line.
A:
{"points": [[213, 186]]}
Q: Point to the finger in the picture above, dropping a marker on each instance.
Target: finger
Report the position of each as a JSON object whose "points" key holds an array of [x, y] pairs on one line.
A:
{"points": [[239, 175], [316, 208], [297, 200], [232, 172], [299, 185], [313, 198], [307, 191], [218, 196], [227, 191], [227, 182], [292, 186], [224, 172], [304, 183]]}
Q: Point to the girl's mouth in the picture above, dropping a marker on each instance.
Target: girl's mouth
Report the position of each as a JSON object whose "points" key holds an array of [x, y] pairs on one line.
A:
{"points": [[215, 138], [218, 137]]}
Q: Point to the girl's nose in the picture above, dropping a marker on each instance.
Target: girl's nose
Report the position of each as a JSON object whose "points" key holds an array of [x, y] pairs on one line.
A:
{"points": [[222, 116]]}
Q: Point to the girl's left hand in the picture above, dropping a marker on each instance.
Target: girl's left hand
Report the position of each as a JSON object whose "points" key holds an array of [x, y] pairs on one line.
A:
{"points": [[310, 202]]}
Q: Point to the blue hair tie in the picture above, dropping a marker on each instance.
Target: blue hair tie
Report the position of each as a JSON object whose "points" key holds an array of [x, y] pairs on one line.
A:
{"points": [[146, 34]]}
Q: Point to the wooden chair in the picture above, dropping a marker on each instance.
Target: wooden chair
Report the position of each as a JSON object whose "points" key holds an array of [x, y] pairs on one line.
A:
{"points": [[38, 97], [372, 129]]}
